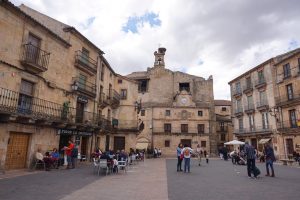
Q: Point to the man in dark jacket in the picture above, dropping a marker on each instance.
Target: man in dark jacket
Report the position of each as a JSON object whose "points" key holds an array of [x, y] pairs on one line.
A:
{"points": [[250, 154], [270, 158]]}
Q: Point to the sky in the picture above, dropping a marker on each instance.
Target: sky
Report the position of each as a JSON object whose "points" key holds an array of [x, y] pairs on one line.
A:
{"points": [[222, 38]]}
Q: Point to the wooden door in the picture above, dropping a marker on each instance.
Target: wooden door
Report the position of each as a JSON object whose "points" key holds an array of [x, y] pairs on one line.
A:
{"points": [[119, 143], [17, 148], [84, 145], [289, 146]]}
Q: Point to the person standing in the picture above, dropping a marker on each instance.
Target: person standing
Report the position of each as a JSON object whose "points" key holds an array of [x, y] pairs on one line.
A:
{"points": [[68, 151], [250, 154], [179, 159], [270, 158], [199, 154], [186, 151]]}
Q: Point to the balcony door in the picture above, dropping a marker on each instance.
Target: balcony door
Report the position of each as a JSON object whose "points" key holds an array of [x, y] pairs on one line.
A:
{"points": [[293, 119], [79, 112], [82, 81], [25, 101], [85, 56], [32, 51]]}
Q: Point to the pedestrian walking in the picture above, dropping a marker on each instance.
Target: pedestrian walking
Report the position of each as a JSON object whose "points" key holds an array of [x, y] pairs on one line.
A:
{"points": [[179, 157], [270, 158], [187, 151], [207, 158], [250, 154], [68, 151], [199, 154]]}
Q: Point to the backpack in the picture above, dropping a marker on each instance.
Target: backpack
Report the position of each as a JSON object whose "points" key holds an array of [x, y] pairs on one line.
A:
{"points": [[186, 152]]}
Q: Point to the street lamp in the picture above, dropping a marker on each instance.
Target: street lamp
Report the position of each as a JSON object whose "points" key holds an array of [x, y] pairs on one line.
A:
{"points": [[75, 85]]}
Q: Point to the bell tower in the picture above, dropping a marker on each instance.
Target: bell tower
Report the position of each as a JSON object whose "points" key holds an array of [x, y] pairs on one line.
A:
{"points": [[159, 57]]}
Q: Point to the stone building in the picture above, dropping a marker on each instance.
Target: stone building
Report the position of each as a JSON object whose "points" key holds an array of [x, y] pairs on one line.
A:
{"points": [[176, 107], [224, 126], [287, 99], [264, 104], [54, 85]]}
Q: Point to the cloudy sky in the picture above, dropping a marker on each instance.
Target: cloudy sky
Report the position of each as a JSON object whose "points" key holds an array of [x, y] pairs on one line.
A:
{"points": [[223, 38]]}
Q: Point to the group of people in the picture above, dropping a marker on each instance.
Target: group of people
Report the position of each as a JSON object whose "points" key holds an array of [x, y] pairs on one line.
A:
{"points": [[184, 153], [52, 159]]}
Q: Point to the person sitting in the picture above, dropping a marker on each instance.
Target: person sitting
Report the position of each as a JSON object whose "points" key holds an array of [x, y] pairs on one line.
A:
{"points": [[46, 159], [55, 157], [123, 155]]}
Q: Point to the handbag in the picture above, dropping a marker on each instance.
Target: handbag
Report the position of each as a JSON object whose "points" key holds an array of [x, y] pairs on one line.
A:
{"points": [[181, 156]]}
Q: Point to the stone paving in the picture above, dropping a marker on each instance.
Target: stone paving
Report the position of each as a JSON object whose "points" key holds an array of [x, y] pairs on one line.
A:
{"points": [[155, 179]]}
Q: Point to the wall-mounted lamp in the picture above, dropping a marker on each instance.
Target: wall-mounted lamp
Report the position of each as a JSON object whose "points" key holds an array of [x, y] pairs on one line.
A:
{"points": [[274, 112], [75, 85]]}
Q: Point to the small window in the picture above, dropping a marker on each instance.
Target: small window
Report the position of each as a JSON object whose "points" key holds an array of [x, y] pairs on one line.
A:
{"points": [[184, 86], [200, 113], [223, 137], [168, 128], [110, 75], [102, 72], [224, 109], [289, 91], [168, 113], [200, 128], [203, 143], [184, 128], [286, 70], [167, 143], [143, 113], [123, 94], [120, 81], [143, 86]]}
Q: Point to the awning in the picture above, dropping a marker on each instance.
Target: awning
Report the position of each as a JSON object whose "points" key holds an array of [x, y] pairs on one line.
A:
{"points": [[264, 141], [140, 145]]}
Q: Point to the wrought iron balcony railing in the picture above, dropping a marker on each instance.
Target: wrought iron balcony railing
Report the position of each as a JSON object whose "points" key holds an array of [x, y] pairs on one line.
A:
{"points": [[35, 59], [254, 130], [85, 63], [84, 87]]}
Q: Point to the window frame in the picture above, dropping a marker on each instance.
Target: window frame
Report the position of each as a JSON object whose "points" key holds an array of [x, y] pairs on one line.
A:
{"points": [[168, 113], [167, 127], [184, 128]]}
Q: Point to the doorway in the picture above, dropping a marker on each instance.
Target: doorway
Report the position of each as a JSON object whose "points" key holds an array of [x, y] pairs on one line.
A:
{"points": [[289, 146], [107, 141], [119, 143], [79, 112], [186, 142], [17, 149], [84, 145]]}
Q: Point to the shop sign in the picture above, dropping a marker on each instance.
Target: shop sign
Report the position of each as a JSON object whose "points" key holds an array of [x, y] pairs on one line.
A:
{"points": [[73, 132], [82, 99], [297, 146]]}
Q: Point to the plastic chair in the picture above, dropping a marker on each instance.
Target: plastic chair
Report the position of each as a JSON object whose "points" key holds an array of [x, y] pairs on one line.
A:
{"points": [[122, 165], [40, 163], [103, 165]]}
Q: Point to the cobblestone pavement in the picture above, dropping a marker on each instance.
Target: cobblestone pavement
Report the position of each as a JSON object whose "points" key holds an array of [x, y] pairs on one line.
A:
{"points": [[155, 179], [222, 180]]}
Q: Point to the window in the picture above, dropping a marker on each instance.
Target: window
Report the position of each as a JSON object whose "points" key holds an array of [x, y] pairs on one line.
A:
{"points": [[143, 86], [85, 55], [200, 113], [298, 65], [25, 98], [200, 128], [238, 87], [265, 120], [222, 126], [108, 114], [238, 106], [250, 102], [109, 91], [168, 113], [203, 143], [248, 82], [120, 81], [167, 143], [110, 74], [262, 98], [102, 95], [286, 70], [224, 109], [123, 94], [184, 86], [167, 128], [293, 119], [223, 137], [261, 78], [102, 72], [241, 125], [82, 81], [289, 91], [143, 112], [251, 122], [184, 128]]}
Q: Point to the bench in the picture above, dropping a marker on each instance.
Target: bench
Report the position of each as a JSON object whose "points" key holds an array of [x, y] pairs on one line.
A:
{"points": [[286, 161]]}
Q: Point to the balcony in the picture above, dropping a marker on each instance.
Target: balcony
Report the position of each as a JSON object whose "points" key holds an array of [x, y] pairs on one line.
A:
{"points": [[178, 131], [247, 88], [260, 83], [125, 125], [34, 59], [255, 130], [285, 101], [262, 105], [238, 112], [249, 108], [103, 101], [287, 127], [114, 98], [85, 63], [84, 87], [105, 124], [222, 129], [237, 93]]}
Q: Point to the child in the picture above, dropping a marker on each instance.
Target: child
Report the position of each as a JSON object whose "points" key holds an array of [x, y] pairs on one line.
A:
{"points": [[115, 165], [207, 156]]}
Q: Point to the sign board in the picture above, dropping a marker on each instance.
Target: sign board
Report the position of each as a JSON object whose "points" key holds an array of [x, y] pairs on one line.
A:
{"points": [[82, 99], [73, 132], [297, 146]]}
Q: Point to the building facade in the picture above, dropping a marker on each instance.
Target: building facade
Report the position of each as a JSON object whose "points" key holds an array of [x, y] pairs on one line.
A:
{"points": [[176, 107]]}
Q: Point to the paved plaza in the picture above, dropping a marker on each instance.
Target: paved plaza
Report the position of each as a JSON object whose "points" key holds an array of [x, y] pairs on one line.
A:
{"points": [[154, 179]]}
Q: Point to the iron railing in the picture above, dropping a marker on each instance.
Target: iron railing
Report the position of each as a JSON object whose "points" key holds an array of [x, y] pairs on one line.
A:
{"points": [[85, 61], [84, 86], [238, 110], [177, 130], [249, 107], [247, 87], [262, 103], [260, 82], [254, 129], [35, 56], [289, 125], [285, 99]]}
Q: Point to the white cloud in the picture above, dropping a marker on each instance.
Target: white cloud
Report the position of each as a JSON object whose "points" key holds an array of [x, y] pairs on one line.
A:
{"points": [[228, 36]]}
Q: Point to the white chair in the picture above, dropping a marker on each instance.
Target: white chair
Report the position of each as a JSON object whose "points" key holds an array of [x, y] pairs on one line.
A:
{"points": [[103, 165], [95, 166], [133, 159], [122, 165]]}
